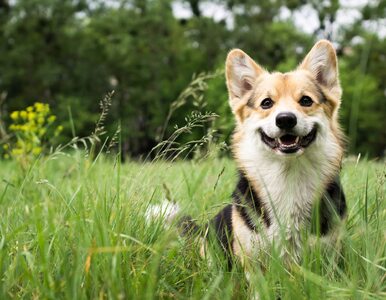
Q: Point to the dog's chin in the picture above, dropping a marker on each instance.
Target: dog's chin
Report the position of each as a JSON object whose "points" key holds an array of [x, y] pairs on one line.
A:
{"points": [[288, 143]]}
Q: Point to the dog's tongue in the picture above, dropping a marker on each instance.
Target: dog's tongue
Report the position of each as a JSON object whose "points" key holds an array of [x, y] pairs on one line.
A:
{"points": [[288, 139]]}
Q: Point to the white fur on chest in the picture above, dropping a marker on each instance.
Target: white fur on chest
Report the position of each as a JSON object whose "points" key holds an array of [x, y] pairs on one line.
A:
{"points": [[288, 186], [287, 189]]}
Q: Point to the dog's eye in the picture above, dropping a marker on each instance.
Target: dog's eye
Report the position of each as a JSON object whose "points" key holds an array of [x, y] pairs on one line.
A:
{"points": [[266, 103], [306, 101]]}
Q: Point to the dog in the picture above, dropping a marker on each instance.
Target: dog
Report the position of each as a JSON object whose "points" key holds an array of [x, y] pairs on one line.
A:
{"points": [[288, 147]]}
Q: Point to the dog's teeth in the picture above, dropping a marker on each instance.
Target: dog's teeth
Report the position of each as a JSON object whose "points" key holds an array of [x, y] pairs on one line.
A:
{"points": [[297, 140]]}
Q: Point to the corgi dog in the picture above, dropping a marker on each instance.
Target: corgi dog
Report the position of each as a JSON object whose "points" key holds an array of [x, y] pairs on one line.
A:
{"points": [[288, 147]]}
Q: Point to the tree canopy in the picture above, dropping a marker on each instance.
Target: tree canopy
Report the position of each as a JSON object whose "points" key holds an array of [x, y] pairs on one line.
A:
{"points": [[71, 53]]}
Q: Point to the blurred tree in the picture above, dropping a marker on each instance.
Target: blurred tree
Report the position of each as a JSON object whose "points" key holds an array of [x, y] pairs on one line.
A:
{"points": [[363, 75], [275, 44], [70, 53], [36, 50], [259, 30], [141, 53], [326, 11]]}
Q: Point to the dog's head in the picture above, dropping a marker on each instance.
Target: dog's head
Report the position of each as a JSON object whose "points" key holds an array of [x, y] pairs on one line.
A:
{"points": [[286, 113]]}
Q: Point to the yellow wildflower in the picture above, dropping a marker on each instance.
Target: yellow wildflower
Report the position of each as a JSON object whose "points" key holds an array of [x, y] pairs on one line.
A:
{"points": [[23, 114], [39, 106], [42, 131], [30, 126], [15, 115], [37, 150], [13, 127], [31, 115], [51, 119], [58, 130], [16, 151]]}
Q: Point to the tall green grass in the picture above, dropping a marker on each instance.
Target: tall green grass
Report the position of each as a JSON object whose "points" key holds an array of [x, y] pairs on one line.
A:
{"points": [[74, 229]]}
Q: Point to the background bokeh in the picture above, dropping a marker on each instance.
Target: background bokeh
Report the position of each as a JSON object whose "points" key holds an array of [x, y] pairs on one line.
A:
{"points": [[70, 53]]}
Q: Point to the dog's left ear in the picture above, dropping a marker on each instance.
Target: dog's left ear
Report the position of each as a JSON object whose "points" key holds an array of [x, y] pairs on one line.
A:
{"points": [[322, 63]]}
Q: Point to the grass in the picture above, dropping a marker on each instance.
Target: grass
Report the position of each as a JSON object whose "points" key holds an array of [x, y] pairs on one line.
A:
{"points": [[71, 229]]}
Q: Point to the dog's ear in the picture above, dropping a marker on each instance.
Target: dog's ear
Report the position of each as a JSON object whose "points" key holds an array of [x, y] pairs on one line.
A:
{"points": [[322, 63], [241, 73]]}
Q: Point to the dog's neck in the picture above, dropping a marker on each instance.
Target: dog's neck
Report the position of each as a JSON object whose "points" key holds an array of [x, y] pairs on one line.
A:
{"points": [[288, 186], [287, 191]]}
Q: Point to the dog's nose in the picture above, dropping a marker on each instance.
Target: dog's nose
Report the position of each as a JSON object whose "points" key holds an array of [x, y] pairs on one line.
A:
{"points": [[286, 120]]}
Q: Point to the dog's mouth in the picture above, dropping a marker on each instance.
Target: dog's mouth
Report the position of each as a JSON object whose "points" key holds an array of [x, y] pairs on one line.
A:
{"points": [[288, 142]]}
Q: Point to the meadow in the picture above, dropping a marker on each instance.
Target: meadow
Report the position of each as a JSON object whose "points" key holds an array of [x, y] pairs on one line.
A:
{"points": [[74, 228], [72, 213]]}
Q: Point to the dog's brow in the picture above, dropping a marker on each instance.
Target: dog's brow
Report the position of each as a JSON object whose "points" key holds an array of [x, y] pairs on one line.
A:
{"points": [[251, 101], [322, 96], [269, 95]]}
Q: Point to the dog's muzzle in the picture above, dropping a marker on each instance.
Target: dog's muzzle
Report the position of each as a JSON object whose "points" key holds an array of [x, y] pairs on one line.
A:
{"points": [[289, 142]]}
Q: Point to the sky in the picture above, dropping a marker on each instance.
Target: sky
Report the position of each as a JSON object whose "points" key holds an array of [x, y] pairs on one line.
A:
{"points": [[305, 19]]}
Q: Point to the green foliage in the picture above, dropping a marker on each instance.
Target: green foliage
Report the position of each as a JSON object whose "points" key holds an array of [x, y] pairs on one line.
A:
{"points": [[364, 99], [71, 232], [69, 53], [217, 101], [362, 111]]}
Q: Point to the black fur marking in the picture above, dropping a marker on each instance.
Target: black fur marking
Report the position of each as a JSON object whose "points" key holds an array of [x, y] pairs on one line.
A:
{"points": [[331, 207], [222, 226], [248, 201], [188, 226], [222, 223]]}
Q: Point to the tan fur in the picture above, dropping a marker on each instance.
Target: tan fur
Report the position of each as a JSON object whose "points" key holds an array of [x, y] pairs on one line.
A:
{"points": [[249, 84], [288, 87], [242, 243]]}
